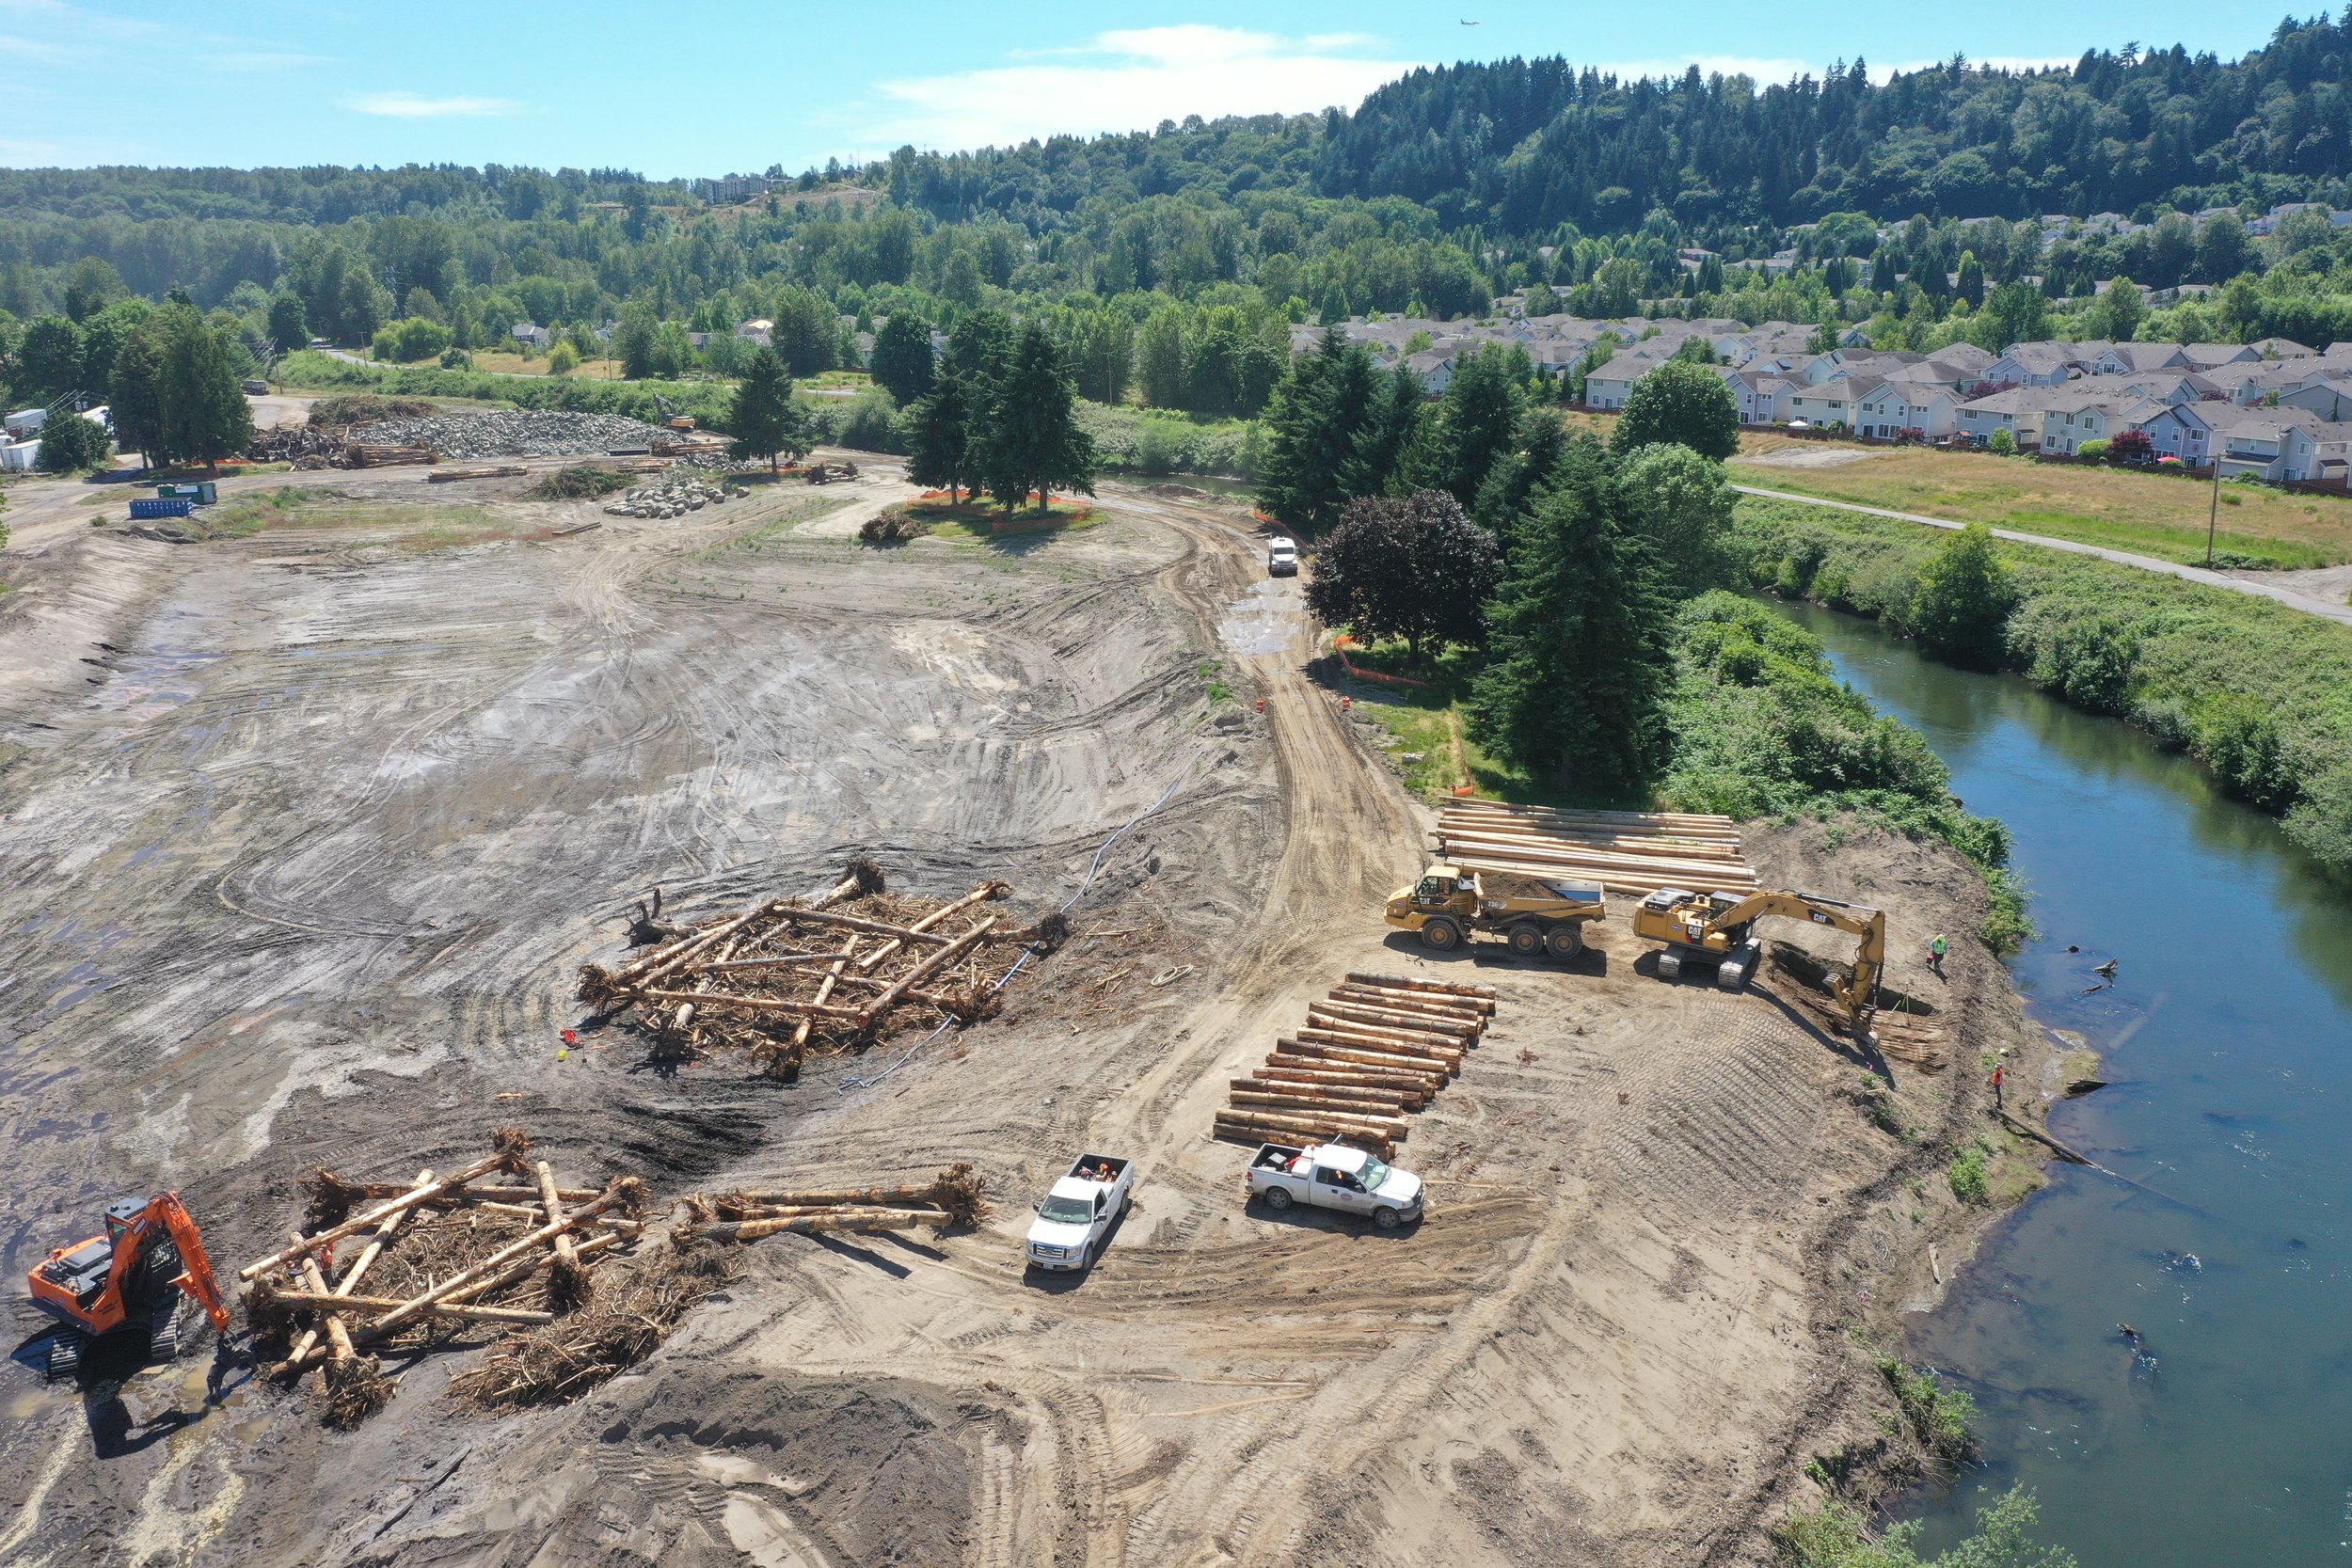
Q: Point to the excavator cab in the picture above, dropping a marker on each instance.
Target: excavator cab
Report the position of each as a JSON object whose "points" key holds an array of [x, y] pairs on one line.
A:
{"points": [[127, 1278]]}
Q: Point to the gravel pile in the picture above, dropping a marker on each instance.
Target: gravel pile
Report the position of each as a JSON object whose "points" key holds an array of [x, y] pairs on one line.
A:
{"points": [[671, 497], [511, 432]]}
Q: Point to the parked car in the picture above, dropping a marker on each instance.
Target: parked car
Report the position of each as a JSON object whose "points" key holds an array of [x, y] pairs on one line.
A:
{"points": [[1281, 558], [1331, 1176], [1078, 1212], [254, 388]]}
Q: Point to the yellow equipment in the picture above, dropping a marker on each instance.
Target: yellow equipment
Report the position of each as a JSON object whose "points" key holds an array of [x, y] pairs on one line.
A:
{"points": [[1713, 929], [1536, 916]]}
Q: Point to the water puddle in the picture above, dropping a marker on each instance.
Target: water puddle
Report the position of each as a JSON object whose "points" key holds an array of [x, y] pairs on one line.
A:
{"points": [[1263, 620]]}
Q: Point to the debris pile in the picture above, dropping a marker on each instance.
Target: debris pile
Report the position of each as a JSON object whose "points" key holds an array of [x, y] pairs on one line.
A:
{"points": [[671, 497], [495, 1242], [1625, 851], [785, 974], [891, 525], [637, 1306], [511, 433], [1372, 1050], [955, 1198]]}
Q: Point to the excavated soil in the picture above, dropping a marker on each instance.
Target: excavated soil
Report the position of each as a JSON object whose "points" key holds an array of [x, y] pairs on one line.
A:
{"points": [[310, 831]]}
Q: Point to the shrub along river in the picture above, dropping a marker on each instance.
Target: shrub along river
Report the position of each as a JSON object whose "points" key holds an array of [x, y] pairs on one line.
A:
{"points": [[2226, 1436]]}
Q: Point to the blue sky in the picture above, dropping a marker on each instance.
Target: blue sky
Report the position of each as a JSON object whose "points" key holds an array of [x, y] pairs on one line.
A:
{"points": [[688, 88]]}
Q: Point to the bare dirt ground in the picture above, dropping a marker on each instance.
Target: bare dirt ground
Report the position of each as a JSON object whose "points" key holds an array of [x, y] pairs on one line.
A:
{"points": [[309, 832]]}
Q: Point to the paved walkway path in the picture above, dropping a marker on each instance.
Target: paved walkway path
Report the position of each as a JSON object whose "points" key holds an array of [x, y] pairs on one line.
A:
{"points": [[2288, 596]]}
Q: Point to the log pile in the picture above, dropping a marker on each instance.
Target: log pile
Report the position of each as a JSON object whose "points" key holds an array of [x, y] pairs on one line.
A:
{"points": [[633, 1313], [500, 470], [1371, 1052], [498, 1241], [1625, 851], [955, 1198], [786, 974], [363, 454]]}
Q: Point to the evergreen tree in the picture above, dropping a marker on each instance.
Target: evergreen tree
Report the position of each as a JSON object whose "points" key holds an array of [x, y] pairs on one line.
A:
{"points": [[1682, 402], [938, 437], [48, 360], [1971, 279], [1511, 484], [205, 415], [1391, 426], [289, 328], [763, 420], [1033, 441], [903, 357], [1318, 416], [70, 443], [1575, 692], [1478, 418]]}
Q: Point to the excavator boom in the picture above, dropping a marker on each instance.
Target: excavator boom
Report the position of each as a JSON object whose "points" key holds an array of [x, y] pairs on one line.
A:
{"points": [[1715, 925], [195, 1275]]}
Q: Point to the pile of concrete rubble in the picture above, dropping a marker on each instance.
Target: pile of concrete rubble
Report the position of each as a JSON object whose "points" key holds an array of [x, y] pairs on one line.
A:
{"points": [[673, 496], [511, 433]]}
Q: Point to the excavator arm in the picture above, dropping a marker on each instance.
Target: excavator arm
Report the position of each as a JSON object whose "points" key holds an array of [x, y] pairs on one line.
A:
{"points": [[196, 1270], [1859, 997]]}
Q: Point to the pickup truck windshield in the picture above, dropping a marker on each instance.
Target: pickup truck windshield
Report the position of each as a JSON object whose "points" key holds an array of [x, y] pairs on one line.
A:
{"points": [[1374, 1174], [1067, 1211]]}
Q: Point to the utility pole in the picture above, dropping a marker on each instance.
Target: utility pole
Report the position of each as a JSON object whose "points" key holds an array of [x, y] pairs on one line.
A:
{"points": [[2213, 514]]}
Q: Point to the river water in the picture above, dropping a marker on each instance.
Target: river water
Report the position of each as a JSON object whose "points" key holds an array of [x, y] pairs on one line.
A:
{"points": [[2227, 1038]]}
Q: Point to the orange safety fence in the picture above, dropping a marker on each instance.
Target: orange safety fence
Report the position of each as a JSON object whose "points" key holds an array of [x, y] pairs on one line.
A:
{"points": [[1343, 643]]}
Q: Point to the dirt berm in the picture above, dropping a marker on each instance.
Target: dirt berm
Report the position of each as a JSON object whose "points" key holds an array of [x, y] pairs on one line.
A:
{"points": [[308, 830]]}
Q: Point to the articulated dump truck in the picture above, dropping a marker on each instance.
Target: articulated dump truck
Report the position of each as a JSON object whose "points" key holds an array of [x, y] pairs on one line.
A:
{"points": [[1539, 917]]}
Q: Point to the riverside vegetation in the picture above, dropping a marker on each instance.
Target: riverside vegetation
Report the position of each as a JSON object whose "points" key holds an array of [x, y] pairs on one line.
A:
{"points": [[2259, 693]]}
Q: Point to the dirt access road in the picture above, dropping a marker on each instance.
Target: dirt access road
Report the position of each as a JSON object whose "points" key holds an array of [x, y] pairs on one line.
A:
{"points": [[307, 866]]}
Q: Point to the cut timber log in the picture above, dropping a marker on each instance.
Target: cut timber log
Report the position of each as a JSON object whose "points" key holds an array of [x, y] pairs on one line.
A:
{"points": [[854, 923], [791, 1059], [1252, 1127], [755, 1004], [1387, 1042], [338, 1337], [1637, 884], [424, 1193], [978, 894], [1369, 1102], [789, 960], [552, 1202], [1695, 823], [292, 1366], [315, 1299], [1384, 1059], [927, 1212], [1415, 982], [927, 968], [1425, 1077], [1566, 856], [1416, 1092], [885, 1196], [1464, 1030], [1384, 996], [504, 470], [1611, 844], [469, 1195], [869, 1219]]}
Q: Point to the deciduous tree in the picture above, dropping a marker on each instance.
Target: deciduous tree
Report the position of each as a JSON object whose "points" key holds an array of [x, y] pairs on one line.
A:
{"points": [[205, 415], [1409, 566], [1961, 603], [903, 357], [1684, 403]]}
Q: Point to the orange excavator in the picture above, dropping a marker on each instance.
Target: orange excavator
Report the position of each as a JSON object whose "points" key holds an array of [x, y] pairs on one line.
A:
{"points": [[126, 1279]]}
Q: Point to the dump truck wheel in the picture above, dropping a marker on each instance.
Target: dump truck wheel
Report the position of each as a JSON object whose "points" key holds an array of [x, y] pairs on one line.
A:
{"points": [[1564, 941], [1277, 1198], [1386, 1218], [1527, 940], [1441, 934]]}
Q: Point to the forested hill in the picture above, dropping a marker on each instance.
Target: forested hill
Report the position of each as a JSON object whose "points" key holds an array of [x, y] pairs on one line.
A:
{"points": [[1521, 147]]}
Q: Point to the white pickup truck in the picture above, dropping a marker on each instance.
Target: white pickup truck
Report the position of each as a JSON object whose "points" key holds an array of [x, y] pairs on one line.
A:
{"points": [[1327, 1175], [1078, 1212]]}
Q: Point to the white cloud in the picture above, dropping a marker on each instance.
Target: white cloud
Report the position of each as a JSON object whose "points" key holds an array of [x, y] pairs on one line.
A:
{"points": [[407, 105], [1127, 79]]}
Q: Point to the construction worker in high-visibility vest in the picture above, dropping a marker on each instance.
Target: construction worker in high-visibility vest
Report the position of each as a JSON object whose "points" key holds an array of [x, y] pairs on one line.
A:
{"points": [[1936, 949]]}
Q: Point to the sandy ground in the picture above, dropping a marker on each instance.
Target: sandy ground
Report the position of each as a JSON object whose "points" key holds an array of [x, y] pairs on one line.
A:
{"points": [[2331, 583], [310, 831], [1801, 455]]}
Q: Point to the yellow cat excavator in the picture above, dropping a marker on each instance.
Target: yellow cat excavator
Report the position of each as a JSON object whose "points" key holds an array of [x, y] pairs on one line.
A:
{"points": [[128, 1279], [1715, 929]]}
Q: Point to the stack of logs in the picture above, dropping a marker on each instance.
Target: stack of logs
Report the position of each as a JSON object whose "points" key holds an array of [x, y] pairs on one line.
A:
{"points": [[783, 974], [363, 454], [1374, 1049], [470, 1246], [1633, 852], [953, 1197]]}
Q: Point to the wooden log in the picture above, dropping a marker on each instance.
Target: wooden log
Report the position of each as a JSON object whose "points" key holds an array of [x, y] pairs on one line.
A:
{"points": [[1348, 1013], [1364, 1057], [553, 1203], [1425, 1084], [1388, 1123], [1391, 1043], [1266, 1125], [1415, 982], [855, 923], [654, 966], [1365, 1101], [788, 961], [316, 1299], [458, 1281], [806, 1210], [1696, 822], [907, 1194], [1416, 1092], [338, 1337], [467, 1196], [1642, 849], [751, 1004], [1414, 1002], [534, 1213], [928, 967], [1468, 1027], [801, 1031], [360, 1266], [1634, 885], [873, 1219], [1465, 848], [423, 1193], [978, 894], [1274, 1080]]}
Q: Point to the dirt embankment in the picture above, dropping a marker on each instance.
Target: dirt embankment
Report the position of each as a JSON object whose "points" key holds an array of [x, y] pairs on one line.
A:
{"points": [[304, 878]]}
